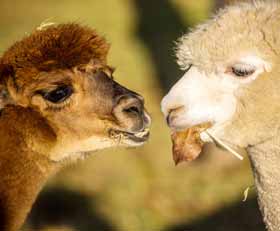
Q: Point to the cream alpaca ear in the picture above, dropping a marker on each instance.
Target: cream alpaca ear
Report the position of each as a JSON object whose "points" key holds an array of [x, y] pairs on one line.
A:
{"points": [[5, 97]]}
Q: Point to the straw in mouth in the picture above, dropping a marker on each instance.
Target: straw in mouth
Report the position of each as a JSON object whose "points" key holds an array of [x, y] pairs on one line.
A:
{"points": [[222, 144]]}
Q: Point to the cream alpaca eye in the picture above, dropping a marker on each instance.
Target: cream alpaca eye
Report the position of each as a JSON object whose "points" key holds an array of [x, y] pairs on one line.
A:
{"points": [[242, 70]]}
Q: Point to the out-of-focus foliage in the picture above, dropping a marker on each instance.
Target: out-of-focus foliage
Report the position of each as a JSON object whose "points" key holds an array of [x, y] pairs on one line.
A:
{"points": [[194, 12], [137, 189]]}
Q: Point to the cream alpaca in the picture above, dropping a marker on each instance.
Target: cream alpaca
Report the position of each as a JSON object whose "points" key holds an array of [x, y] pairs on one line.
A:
{"points": [[232, 80]]}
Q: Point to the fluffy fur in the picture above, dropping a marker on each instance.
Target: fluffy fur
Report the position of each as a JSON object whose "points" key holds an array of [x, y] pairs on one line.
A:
{"points": [[37, 134], [63, 46], [239, 34], [248, 26]]}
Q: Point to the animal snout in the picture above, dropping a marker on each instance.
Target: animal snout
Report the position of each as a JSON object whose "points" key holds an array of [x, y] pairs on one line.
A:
{"points": [[173, 115], [130, 113]]}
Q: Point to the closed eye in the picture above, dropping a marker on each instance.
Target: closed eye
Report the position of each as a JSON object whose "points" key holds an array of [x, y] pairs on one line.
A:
{"points": [[242, 70]]}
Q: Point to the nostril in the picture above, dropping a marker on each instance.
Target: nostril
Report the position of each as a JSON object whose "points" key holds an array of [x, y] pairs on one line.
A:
{"points": [[168, 119], [132, 109], [173, 113], [129, 105], [130, 114]]}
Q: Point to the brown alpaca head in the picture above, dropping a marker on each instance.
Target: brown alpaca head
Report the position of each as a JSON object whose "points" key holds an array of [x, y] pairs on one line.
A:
{"points": [[61, 73]]}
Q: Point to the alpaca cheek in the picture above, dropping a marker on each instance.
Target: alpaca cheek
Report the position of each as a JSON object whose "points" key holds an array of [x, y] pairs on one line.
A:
{"points": [[212, 105], [205, 98]]}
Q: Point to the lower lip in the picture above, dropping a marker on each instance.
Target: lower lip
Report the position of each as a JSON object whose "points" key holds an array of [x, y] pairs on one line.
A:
{"points": [[138, 139], [131, 136]]}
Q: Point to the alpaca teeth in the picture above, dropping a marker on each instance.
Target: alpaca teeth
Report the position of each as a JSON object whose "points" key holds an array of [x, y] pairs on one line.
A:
{"points": [[143, 133]]}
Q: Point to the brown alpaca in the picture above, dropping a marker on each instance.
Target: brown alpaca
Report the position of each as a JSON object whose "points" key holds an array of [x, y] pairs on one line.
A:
{"points": [[59, 102]]}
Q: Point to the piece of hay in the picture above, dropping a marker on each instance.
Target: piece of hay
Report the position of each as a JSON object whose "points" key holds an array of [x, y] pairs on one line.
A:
{"points": [[187, 144], [246, 193], [45, 24], [222, 144]]}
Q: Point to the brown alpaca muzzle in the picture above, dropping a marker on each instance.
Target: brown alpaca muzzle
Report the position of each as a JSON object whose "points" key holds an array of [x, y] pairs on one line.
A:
{"points": [[131, 116]]}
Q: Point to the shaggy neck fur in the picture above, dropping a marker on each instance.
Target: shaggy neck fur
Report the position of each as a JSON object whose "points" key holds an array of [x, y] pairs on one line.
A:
{"points": [[265, 159], [23, 172]]}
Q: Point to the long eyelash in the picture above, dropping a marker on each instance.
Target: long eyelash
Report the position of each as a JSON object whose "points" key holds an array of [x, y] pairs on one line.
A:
{"points": [[58, 107], [242, 71], [243, 68]]}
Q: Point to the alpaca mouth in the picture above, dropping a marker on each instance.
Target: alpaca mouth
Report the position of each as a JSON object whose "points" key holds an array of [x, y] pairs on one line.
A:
{"points": [[138, 137], [187, 144]]}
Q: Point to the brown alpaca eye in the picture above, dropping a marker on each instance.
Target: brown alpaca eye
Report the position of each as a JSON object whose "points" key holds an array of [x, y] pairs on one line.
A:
{"points": [[58, 95]]}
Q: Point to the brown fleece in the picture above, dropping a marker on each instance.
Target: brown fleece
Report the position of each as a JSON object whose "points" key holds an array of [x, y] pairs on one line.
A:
{"points": [[38, 134], [55, 48], [23, 170]]}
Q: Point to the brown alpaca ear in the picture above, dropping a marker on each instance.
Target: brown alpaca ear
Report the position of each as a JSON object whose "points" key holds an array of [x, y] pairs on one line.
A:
{"points": [[5, 98]]}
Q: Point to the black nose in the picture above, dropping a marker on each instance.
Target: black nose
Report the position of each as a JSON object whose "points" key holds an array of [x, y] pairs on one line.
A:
{"points": [[129, 111]]}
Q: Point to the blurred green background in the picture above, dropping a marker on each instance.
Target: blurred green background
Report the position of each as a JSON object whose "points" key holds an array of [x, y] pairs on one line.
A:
{"points": [[137, 189]]}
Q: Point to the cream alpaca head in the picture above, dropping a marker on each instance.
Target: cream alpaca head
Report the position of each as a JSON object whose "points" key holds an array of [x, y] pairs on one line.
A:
{"points": [[232, 75]]}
